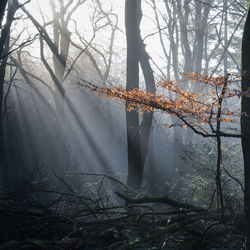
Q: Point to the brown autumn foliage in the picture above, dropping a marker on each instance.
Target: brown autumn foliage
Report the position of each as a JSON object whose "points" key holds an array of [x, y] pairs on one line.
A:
{"points": [[195, 110]]}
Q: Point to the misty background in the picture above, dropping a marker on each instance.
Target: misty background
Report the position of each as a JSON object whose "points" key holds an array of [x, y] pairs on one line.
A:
{"points": [[80, 131]]}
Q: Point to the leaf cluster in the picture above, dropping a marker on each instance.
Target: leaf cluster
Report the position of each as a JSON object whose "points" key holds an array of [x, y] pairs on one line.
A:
{"points": [[194, 109]]}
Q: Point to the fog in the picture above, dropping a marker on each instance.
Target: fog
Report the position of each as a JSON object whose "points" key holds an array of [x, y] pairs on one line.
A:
{"points": [[77, 130], [68, 132]]}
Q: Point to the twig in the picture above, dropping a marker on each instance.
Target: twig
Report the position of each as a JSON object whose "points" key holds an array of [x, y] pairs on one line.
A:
{"points": [[106, 176]]}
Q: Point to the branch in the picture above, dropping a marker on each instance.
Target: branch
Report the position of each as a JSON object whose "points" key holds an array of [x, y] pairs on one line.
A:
{"points": [[43, 33], [20, 46], [152, 103], [106, 176], [235, 179], [162, 200]]}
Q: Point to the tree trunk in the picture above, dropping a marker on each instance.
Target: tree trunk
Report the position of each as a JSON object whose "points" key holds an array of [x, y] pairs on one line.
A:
{"points": [[4, 49], [245, 120], [61, 40], [146, 124], [132, 22], [146, 133], [225, 61]]}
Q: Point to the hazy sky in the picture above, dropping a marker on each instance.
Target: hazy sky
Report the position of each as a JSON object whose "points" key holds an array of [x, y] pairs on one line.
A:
{"points": [[82, 14]]}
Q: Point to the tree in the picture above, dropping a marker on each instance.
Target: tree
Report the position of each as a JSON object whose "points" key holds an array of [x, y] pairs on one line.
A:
{"points": [[202, 113], [100, 58], [197, 33], [146, 136], [194, 36], [4, 50], [39, 84], [137, 134], [132, 22], [245, 120], [182, 27]]}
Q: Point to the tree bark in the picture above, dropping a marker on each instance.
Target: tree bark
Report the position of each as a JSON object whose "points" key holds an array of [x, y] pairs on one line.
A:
{"points": [[132, 23], [61, 36], [146, 124], [245, 120], [4, 49], [146, 135]]}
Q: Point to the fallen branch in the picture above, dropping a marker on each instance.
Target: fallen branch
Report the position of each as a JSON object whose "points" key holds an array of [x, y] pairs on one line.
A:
{"points": [[162, 200]]}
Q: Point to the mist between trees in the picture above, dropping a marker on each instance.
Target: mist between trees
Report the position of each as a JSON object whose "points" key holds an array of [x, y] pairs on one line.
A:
{"points": [[132, 115]]}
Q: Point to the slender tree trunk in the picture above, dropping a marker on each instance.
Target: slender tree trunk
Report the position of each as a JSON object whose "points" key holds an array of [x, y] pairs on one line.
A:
{"points": [[146, 124], [137, 53], [245, 120], [146, 133], [132, 22], [225, 61], [2, 77], [62, 129], [183, 15], [4, 49]]}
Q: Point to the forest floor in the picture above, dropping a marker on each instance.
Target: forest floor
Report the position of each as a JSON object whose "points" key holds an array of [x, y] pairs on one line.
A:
{"points": [[36, 218]]}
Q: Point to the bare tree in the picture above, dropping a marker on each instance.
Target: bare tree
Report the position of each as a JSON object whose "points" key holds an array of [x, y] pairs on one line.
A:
{"points": [[132, 22], [245, 121], [4, 50], [63, 65], [99, 56]]}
